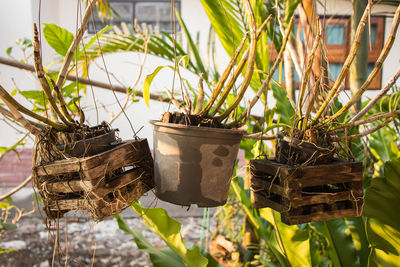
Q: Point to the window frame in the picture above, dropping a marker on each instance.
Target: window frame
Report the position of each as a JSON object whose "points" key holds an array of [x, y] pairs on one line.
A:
{"points": [[134, 2]]}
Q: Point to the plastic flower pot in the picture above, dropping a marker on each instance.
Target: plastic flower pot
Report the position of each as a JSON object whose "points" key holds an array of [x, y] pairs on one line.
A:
{"points": [[194, 165]]}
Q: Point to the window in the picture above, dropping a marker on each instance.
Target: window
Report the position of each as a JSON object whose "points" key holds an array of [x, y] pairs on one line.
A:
{"points": [[155, 13], [338, 43]]}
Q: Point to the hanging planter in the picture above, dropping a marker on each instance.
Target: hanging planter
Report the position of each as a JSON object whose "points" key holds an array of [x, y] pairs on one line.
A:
{"points": [[76, 167], [313, 176], [195, 149], [308, 193], [194, 165], [102, 183]]}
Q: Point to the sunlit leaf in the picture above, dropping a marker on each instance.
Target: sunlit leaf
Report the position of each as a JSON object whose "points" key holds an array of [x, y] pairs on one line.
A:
{"points": [[147, 82], [58, 38], [158, 221]]}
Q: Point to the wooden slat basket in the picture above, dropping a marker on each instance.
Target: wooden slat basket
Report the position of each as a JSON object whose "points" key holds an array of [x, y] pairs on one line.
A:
{"points": [[308, 193], [102, 184]]}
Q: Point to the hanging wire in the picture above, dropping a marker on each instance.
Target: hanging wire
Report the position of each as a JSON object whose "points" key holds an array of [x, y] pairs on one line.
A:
{"points": [[78, 11], [88, 77], [40, 51], [109, 80], [173, 31]]}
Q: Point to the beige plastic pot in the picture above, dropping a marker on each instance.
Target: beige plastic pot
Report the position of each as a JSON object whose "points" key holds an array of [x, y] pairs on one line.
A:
{"points": [[194, 165]]}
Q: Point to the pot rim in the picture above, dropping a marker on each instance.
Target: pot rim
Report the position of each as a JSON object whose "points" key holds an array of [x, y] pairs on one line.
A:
{"points": [[197, 128]]}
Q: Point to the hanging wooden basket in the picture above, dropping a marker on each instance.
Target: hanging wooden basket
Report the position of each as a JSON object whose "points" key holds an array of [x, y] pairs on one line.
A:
{"points": [[308, 193], [102, 184]]}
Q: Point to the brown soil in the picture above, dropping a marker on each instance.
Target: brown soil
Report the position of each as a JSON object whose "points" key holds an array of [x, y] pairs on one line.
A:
{"points": [[190, 119]]}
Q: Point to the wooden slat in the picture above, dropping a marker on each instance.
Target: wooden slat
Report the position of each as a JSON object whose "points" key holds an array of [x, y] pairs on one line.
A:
{"points": [[261, 201], [316, 217], [271, 167], [323, 198], [266, 186], [331, 179], [332, 168], [59, 167], [67, 186], [116, 153], [77, 164], [67, 204]]}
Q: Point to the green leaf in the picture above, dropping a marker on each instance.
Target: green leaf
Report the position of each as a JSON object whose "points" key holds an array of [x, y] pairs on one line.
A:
{"points": [[9, 50], [294, 241], [10, 200], [159, 257], [383, 146], [283, 106], [383, 225], [7, 226], [58, 38], [99, 34], [158, 221], [5, 250], [385, 243], [4, 205], [341, 248], [33, 95], [147, 82], [184, 61], [384, 194]]}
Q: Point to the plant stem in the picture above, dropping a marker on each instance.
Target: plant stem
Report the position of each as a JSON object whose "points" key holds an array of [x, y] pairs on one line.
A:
{"points": [[380, 94], [355, 136], [222, 80], [177, 104], [259, 136], [250, 63], [200, 96], [117, 88], [375, 70], [68, 57], [307, 75], [265, 83], [10, 101], [8, 114], [41, 75], [368, 120], [347, 63], [235, 75], [16, 189], [20, 119]]}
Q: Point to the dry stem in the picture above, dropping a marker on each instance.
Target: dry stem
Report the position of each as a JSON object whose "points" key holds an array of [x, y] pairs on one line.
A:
{"points": [[176, 102], [250, 63], [259, 136], [381, 93], [368, 120], [41, 75], [16, 189], [375, 70], [10, 101], [307, 74], [355, 136], [265, 83], [117, 88], [347, 63], [200, 96], [68, 57]]}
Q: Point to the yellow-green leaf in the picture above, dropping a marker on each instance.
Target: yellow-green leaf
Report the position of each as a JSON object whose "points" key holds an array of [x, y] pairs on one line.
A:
{"points": [[147, 82]]}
